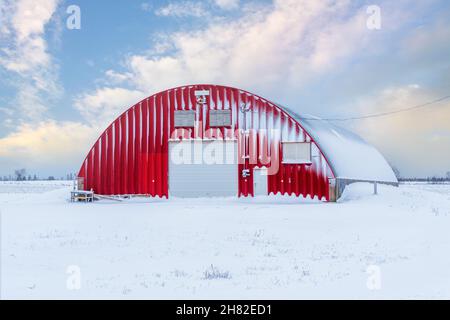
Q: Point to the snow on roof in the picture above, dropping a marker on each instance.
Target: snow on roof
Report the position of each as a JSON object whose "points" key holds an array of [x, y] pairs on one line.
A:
{"points": [[349, 155]]}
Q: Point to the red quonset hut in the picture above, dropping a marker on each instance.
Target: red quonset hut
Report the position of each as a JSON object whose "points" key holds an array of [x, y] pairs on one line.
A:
{"points": [[211, 140]]}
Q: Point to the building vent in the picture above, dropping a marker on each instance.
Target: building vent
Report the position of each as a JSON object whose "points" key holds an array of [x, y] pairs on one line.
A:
{"points": [[220, 118], [184, 118]]}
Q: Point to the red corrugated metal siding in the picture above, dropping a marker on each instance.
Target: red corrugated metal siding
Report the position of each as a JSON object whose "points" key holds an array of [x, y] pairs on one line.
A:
{"points": [[103, 164], [131, 156], [130, 152], [144, 149], [117, 160]]}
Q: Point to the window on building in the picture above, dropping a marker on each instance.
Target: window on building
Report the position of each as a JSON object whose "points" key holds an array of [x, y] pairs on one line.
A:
{"points": [[296, 152], [184, 118], [219, 118]]}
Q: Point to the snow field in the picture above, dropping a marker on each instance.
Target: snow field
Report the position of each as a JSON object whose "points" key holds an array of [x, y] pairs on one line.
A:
{"points": [[266, 247]]}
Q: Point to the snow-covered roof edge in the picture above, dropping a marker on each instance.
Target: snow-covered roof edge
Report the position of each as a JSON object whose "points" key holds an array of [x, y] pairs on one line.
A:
{"points": [[349, 156]]}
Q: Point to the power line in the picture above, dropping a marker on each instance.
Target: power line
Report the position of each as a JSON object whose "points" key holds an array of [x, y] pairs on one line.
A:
{"points": [[382, 114]]}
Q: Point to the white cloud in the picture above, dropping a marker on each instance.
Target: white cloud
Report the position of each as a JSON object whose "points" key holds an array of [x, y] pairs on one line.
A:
{"points": [[284, 43], [413, 141], [25, 22], [28, 98], [103, 105], [117, 77], [182, 9], [227, 4], [59, 147], [48, 146], [25, 53], [31, 17], [7, 111]]}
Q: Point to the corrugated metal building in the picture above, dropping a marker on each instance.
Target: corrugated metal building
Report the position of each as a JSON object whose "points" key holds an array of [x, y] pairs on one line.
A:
{"points": [[210, 140]]}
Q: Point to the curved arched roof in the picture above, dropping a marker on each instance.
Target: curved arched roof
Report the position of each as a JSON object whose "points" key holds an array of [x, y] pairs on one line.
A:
{"points": [[349, 155]]}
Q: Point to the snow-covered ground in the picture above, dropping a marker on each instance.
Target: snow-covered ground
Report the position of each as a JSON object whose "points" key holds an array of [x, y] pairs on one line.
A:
{"points": [[392, 245], [21, 187]]}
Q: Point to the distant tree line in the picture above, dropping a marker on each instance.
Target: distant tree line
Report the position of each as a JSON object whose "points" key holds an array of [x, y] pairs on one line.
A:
{"points": [[21, 175], [434, 179], [427, 179]]}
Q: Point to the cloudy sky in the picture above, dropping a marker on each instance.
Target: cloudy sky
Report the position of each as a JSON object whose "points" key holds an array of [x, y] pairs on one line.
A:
{"points": [[60, 87]]}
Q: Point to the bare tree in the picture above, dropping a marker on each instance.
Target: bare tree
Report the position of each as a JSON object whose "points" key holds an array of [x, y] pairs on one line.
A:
{"points": [[20, 174]]}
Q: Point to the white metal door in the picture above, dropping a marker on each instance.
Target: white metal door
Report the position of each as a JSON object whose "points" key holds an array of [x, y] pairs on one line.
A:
{"points": [[199, 168], [260, 181]]}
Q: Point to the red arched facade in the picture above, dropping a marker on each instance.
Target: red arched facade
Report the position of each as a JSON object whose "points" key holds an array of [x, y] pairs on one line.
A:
{"points": [[131, 156]]}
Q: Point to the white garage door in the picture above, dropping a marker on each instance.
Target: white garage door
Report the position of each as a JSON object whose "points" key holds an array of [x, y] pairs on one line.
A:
{"points": [[199, 168]]}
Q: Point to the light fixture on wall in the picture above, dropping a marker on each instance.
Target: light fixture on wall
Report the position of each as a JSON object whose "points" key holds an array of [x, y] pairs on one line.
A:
{"points": [[201, 96]]}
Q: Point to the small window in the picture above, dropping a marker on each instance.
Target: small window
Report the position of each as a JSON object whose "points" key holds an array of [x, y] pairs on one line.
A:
{"points": [[184, 118], [297, 152], [219, 118]]}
